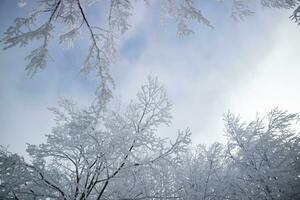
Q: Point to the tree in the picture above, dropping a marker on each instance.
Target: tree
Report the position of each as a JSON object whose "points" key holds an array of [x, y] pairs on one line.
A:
{"points": [[50, 15], [201, 174], [99, 153], [13, 174], [102, 152], [105, 153], [259, 161], [265, 156]]}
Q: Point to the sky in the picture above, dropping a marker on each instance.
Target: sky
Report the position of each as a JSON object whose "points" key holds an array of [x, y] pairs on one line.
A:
{"points": [[244, 67]]}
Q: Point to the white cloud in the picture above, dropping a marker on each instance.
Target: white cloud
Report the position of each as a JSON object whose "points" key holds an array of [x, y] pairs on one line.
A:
{"points": [[246, 67], [276, 82]]}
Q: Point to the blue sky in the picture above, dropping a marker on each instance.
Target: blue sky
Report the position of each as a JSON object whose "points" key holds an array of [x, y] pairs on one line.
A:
{"points": [[245, 67]]}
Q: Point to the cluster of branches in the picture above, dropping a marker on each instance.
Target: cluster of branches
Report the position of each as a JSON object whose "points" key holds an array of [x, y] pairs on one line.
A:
{"points": [[98, 153], [114, 153], [261, 160], [104, 152], [48, 17]]}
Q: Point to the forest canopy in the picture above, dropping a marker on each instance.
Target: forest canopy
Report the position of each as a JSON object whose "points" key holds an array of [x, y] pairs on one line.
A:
{"points": [[104, 151]]}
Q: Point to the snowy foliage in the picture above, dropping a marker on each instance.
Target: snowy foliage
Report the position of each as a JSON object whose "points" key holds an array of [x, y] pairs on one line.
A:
{"points": [[103, 152], [242, 8], [266, 156], [99, 153], [65, 19]]}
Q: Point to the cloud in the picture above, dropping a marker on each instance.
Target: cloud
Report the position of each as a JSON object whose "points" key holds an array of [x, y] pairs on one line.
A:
{"points": [[24, 115], [238, 67], [276, 82], [244, 67]]}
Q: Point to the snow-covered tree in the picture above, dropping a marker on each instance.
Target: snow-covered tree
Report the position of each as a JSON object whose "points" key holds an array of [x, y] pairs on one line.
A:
{"points": [[265, 156], [65, 19], [99, 153], [261, 160], [102, 152], [115, 154], [201, 174], [13, 174]]}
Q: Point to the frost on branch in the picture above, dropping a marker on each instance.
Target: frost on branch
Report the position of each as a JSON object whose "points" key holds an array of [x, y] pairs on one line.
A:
{"points": [[265, 154], [38, 59], [43, 22], [183, 12], [296, 15], [286, 4], [201, 175], [101, 153], [24, 32], [116, 154], [242, 8], [48, 17]]}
